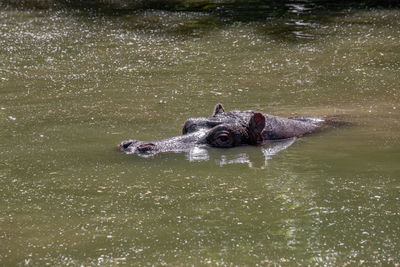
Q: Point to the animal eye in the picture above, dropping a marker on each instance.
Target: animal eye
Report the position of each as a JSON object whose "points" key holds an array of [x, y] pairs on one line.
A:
{"points": [[223, 138]]}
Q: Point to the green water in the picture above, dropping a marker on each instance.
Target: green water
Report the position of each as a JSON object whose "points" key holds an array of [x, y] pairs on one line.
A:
{"points": [[73, 86]]}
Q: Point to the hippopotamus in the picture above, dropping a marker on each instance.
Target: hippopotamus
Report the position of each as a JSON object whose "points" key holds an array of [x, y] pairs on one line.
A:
{"points": [[226, 130]]}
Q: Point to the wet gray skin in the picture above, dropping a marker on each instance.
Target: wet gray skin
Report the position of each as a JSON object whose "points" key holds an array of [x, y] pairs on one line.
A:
{"points": [[225, 130]]}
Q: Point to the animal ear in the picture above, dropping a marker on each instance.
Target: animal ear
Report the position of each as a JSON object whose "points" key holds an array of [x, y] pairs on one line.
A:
{"points": [[255, 128], [219, 109]]}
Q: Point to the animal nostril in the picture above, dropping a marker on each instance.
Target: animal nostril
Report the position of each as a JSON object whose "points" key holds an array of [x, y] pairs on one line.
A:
{"points": [[146, 147], [126, 144]]}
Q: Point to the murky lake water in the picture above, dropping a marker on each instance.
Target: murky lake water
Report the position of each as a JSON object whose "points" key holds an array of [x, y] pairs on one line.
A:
{"points": [[72, 87]]}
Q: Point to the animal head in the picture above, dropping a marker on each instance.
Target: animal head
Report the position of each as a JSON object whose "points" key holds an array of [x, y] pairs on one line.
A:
{"points": [[221, 130]]}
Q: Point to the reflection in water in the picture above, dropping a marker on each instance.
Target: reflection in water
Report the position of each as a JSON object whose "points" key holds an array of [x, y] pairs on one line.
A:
{"points": [[197, 154], [251, 156], [240, 158], [297, 25], [273, 147]]}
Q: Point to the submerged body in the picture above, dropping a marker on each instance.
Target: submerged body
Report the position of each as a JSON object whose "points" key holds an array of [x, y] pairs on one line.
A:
{"points": [[227, 129]]}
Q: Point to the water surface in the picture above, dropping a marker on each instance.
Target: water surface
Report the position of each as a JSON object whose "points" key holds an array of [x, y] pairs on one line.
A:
{"points": [[73, 86]]}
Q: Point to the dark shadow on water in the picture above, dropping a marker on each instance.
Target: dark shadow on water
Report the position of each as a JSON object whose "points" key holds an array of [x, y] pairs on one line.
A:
{"points": [[243, 10], [288, 21]]}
